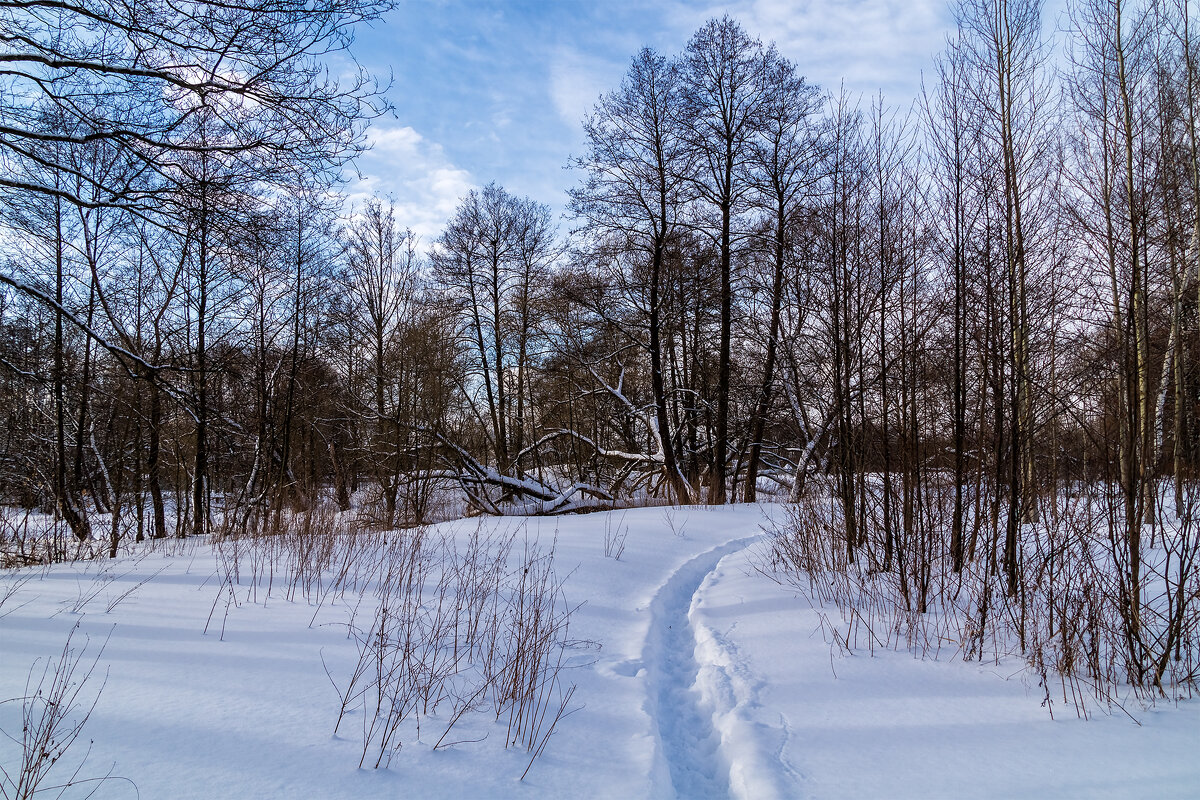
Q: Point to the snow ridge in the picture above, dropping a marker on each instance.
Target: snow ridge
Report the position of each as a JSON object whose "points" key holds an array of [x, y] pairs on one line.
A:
{"points": [[687, 740]]}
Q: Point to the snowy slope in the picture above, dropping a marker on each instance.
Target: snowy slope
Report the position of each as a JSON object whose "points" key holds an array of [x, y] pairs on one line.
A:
{"points": [[247, 709]]}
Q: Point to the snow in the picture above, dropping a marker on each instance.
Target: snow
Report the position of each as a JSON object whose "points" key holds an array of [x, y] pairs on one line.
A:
{"points": [[686, 740], [696, 676], [810, 721]]}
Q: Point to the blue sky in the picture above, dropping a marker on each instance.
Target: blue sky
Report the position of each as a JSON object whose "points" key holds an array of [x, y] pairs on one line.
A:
{"points": [[488, 90]]}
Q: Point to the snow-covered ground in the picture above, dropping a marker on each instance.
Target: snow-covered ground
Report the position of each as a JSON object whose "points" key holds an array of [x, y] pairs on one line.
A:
{"points": [[810, 722], [696, 677]]}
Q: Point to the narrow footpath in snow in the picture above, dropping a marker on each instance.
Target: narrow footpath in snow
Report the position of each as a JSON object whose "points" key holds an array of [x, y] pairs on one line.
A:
{"points": [[688, 742], [695, 675]]}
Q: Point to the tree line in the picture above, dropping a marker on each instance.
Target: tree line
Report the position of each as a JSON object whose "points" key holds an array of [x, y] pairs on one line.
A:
{"points": [[948, 317]]}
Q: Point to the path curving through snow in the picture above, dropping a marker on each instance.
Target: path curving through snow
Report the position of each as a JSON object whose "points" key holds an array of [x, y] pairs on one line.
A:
{"points": [[687, 740], [712, 682]]}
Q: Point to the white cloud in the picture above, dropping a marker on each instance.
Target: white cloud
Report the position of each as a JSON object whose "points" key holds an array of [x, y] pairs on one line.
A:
{"points": [[414, 172], [576, 82], [871, 44]]}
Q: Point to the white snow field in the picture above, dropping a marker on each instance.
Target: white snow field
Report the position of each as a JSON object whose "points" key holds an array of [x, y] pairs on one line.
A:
{"points": [[696, 677]]}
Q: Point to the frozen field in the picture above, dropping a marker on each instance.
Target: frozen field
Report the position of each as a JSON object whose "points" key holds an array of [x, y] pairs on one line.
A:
{"points": [[695, 677]]}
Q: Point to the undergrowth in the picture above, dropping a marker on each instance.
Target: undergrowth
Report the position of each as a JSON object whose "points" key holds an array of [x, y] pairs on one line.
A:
{"points": [[1067, 618]]}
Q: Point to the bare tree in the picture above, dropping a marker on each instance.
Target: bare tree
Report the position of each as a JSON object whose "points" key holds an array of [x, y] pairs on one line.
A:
{"points": [[492, 262], [382, 281], [786, 157], [255, 70], [724, 93], [1001, 43], [633, 195]]}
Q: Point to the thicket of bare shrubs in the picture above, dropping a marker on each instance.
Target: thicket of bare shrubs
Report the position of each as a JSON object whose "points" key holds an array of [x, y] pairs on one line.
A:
{"points": [[27, 538], [444, 628], [1068, 618]]}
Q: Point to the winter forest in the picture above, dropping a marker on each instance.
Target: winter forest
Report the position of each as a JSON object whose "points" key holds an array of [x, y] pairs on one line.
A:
{"points": [[952, 349]]}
